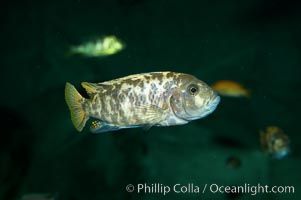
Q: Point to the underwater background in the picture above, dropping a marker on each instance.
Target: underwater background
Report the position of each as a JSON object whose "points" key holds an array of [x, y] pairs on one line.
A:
{"points": [[254, 42]]}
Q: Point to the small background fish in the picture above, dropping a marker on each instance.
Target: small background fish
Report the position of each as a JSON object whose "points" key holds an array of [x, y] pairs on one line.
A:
{"points": [[36, 196], [230, 88], [275, 142], [99, 47]]}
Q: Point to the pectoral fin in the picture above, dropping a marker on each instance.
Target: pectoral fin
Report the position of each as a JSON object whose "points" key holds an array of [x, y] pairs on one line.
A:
{"points": [[151, 114]]}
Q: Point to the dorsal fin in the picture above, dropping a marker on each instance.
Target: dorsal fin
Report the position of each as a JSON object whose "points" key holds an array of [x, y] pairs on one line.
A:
{"points": [[91, 88]]}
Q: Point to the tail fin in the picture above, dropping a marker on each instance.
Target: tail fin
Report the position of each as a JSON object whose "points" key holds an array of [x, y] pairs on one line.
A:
{"points": [[74, 101]]}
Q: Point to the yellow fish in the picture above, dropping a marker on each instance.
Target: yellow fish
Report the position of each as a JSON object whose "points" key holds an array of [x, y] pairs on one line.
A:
{"points": [[230, 88], [100, 47], [274, 142], [141, 100]]}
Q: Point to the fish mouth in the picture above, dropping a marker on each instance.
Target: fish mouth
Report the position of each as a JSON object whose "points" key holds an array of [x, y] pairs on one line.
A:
{"points": [[215, 101], [206, 110], [213, 104]]}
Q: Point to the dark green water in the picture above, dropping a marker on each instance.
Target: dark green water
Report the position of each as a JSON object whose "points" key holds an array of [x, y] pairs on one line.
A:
{"points": [[256, 43]]}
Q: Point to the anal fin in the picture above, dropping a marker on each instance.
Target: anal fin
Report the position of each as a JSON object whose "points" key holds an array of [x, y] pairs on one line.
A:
{"points": [[102, 127], [98, 126]]}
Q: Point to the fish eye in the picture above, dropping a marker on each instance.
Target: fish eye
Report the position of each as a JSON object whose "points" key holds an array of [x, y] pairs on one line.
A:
{"points": [[193, 89]]}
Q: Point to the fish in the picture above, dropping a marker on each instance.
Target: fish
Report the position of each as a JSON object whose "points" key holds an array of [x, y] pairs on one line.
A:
{"points": [[38, 196], [141, 100], [230, 89], [99, 47], [274, 142]]}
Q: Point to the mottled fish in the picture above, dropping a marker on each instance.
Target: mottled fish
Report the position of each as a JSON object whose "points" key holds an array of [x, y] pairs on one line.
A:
{"points": [[141, 100]]}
